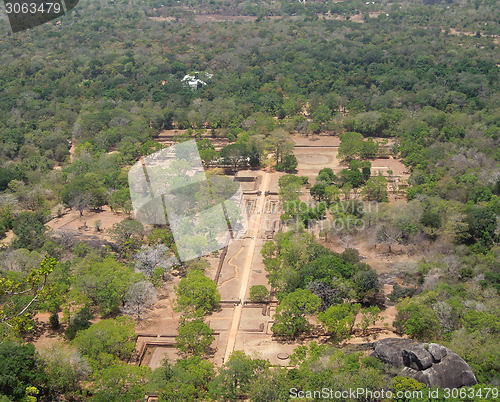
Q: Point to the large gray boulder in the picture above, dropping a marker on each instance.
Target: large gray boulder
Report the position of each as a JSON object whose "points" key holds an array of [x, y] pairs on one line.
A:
{"points": [[428, 363]]}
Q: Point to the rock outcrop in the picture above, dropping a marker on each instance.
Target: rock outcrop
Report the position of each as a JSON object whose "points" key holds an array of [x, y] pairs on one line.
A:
{"points": [[428, 363]]}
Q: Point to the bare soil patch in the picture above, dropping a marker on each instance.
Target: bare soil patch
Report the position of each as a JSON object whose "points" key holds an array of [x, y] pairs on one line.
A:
{"points": [[9, 236], [83, 226], [453, 31]]}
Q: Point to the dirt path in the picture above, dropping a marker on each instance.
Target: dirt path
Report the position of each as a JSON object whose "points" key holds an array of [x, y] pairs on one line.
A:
{"points": [[9, 236], [236, 271], [72, 152], [247, 268]]}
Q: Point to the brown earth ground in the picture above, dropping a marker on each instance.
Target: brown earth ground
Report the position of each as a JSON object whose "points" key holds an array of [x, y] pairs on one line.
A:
{"points": [[71, 220]]}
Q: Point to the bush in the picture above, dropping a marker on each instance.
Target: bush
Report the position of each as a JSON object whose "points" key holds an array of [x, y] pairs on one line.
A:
{"points": [[54, 321], [80, 322], [350, 255], [106, 341], [399, 292], [81, 249], [290, 163], [373, 362], [20, 367], [259, 293], [431, 219]]}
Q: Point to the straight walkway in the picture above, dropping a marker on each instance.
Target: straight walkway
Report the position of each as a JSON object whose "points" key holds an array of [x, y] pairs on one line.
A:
{"points": [[253, 231]]}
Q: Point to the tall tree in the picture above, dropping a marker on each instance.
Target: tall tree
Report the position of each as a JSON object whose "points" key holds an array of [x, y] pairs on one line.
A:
{"points": [[106, 341], [196, 295], [290, 317], [20, 367], [33, 288], [29, 231], [339, 320], [124, 383], [281, 144], [195, 337], [151, 257], [236, 376], [140, 297]]}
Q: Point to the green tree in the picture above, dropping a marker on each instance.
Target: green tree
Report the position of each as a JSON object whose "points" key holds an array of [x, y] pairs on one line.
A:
{"points": [[290, 317], [207, 151], [369, 316], [188, 380], [105, 281], [366, 170], [281, 143], [350, 146], [195, 337], [431, 219], [327, 176], [234, 154], [290, 163], [318, 192], [417, 320], [128, 234], [259, 293], [482, 225], [376, 189], [235, 378], [339, 321], [121, 383], [29, 231], [66, 371], [196, 295], [352, 176], [290, 192], [481, 321], [353, 146], [20, 367], [332, 195], [402, 384], [33, 288], [107, 341], [84, 191], [126, 230], [80, 321], [120, 201], [369, 149], [366, 285], [271, 386]]}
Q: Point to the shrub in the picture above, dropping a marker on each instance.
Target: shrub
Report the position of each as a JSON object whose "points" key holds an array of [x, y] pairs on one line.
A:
{"points": [[259, 293], [54, 321], [81, 321]]}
